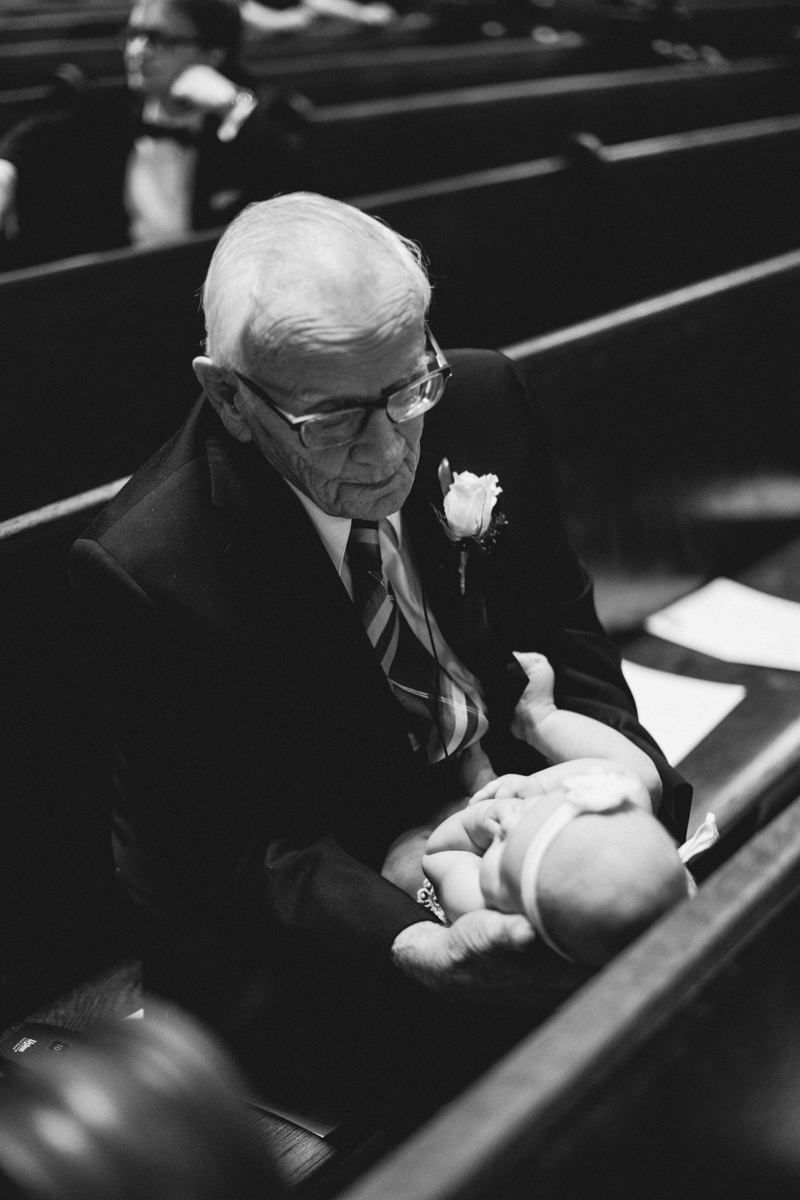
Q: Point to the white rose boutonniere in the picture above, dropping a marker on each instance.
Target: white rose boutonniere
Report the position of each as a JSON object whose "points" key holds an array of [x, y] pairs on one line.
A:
{"points": [[469, 502]]}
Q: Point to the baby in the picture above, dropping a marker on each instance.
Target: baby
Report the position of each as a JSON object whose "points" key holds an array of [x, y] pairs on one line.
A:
{"points": [[574, 847]]}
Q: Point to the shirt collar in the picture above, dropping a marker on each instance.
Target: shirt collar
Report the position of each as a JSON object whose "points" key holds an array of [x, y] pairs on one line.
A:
{"points": [[334, 531]]}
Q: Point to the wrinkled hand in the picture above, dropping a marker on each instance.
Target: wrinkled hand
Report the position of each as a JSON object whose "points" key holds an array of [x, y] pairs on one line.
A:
{"points": [[202, 88], [9, 225], [486, 957]]}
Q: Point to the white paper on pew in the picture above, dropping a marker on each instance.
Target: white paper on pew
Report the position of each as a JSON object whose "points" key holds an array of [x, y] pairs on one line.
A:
{"points": [[735, 623], [677, 710]]}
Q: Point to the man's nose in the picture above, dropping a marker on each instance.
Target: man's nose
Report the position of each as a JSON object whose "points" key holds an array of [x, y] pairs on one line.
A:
{"points": [[380, 442]]}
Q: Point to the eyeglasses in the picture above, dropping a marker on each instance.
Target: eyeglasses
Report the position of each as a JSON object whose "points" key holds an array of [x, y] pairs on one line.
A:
{"points": [[336, 428], [155, 38]]}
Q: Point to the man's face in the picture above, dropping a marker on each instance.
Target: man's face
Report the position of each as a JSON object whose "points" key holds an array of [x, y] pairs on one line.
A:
{"points": [[367, 478], [166, 47]]}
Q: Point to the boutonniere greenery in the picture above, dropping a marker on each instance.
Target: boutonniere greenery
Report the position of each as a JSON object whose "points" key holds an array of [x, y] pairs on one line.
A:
{"points": [[469, 517]]}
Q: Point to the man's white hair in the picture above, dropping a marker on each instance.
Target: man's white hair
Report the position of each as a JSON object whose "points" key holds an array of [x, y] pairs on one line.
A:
{"points": [[285, 261]]}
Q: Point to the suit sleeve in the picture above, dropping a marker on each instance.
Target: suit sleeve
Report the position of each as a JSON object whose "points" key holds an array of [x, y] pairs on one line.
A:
{"points": [[549, 602], [209, 824]]}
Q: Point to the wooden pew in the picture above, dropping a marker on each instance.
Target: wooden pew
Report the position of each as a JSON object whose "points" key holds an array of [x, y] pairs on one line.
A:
{"points": [[338, 76], [25, 64], [749, 766], [76, 333], [737, 28], [71, 933], [692, 397], [69, 23], [440, 133], [664, 1076], [110, 367], [32, 48], [334, 76], [580, 92], [542, 244], [63, 918]]}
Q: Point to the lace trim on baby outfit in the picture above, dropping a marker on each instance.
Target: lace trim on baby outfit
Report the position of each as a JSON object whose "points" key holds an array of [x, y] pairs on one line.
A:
{"points": [[426, 896]]}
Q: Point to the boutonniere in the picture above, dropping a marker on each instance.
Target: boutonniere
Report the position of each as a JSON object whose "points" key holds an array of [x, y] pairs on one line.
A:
{"points": [[468, 515]]}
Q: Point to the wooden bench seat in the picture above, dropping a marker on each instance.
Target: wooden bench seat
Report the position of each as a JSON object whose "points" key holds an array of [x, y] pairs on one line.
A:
{"points": [[81, 331], [68, 941], [29, 63], [662, 1077], [69, 23], [336, 76], [748, 768], [691, 397], [442, 133], [33, 47], [540, 245], [526, 94]]}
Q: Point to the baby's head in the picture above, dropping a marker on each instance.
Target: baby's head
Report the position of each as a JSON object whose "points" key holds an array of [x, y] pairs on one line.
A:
{"points": [[588, 866]]}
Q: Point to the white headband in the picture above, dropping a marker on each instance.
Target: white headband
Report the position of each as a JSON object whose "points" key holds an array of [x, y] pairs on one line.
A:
{"points": [[592, 794]]}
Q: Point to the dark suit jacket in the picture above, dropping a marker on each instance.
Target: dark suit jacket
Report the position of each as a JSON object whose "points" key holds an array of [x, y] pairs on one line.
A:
{"points": [[72, 160], [261, 758]]}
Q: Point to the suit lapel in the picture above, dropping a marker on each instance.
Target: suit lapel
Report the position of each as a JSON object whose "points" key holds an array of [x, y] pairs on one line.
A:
{"points": [[275, 548], [461, 618]]}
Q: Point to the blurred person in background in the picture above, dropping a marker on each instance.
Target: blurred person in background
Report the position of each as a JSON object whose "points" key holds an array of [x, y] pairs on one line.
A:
{"points": [[184, 149], [140, 1110]]}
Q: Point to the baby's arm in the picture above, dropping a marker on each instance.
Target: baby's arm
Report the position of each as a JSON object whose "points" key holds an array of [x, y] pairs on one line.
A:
{"points": [[452, 860], [561, 735]]}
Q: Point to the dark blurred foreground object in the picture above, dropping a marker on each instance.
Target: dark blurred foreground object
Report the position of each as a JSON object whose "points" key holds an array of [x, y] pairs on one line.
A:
{"points": [[139, 1110]]}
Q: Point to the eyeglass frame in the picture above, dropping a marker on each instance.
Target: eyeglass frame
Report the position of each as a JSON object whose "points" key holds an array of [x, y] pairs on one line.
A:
{"points": [[155, 39], [381, 403]]}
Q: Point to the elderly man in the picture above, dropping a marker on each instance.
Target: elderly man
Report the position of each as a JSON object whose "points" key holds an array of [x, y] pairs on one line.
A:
{"points": [[301, 657]]}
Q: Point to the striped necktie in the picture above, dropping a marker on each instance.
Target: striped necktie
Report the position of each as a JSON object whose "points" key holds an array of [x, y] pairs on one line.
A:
{"points": [[441, 718]]}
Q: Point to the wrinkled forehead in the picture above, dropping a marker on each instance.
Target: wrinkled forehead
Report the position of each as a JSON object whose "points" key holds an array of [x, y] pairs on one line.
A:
{"points": [[319, 354]]}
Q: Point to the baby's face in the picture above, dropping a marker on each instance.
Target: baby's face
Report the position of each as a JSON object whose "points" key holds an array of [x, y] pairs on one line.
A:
{"points": [[514, 823]]}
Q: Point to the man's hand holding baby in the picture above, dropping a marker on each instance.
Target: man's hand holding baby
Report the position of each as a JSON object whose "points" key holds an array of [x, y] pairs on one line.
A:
{"points": [[485, 956]]}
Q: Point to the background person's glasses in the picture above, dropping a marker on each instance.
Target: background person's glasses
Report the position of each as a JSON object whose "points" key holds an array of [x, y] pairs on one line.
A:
{"points": [[155, 38], [322, 430]]}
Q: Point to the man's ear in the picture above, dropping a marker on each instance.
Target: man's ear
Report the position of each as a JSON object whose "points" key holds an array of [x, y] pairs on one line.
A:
{"points": [[222, 394]]}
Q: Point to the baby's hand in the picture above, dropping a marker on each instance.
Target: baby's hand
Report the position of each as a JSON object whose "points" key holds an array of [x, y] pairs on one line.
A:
{"points": [[524, 786], [536, 702], [203, 88]]}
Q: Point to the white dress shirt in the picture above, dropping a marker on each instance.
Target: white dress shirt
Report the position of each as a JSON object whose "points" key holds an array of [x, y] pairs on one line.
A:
{"points": [[159, 180]]}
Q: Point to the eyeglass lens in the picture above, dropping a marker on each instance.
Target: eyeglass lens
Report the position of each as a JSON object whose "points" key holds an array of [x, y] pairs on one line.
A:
{"points": [[409, 402]]}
